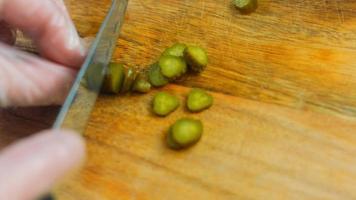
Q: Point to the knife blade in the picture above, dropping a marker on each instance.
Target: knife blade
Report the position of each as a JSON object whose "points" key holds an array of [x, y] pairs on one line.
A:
{"points": [[81, 99]]}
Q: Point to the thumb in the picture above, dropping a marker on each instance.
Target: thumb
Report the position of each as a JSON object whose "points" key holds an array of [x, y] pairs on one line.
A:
{"points": [[29, 168]]}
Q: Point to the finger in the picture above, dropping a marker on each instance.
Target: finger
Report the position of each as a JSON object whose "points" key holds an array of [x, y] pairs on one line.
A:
{"points": [[31, 167], [61, 5], [27, 80], [49, 25]]}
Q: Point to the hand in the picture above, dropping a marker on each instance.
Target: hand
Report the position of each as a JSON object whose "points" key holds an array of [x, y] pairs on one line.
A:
{"points": [[31, 167]]}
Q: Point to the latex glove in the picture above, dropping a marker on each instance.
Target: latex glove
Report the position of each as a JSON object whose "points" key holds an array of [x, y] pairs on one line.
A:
{"points": [[27, 80], [29, 168]]}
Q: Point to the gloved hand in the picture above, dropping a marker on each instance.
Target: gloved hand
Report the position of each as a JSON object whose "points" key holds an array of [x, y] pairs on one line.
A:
{"points": [[29, 168]]}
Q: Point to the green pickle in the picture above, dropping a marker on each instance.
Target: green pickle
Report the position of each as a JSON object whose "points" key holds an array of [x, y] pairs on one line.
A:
{"points": [[141, 83], [130, 76], [246, 6], [164, 103], [173, 63], [175, 50], [114, 78], [155, 76], [199, 100], [196, 58], [172, 67], [184, 133]]}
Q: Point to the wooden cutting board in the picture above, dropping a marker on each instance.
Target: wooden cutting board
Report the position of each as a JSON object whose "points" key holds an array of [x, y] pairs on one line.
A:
{"points": [[284, 120]]}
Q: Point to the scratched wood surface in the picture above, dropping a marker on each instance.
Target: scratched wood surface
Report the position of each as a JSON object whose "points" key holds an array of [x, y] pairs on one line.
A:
{"points": [[283, 125]]}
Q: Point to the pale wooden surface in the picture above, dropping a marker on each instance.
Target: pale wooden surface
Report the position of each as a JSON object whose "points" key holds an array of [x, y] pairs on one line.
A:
{"points": [[283, 125]]}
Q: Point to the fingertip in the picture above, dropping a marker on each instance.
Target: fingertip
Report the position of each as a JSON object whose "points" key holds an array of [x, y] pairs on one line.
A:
{"points": [[49, 25], [63, 45], [67, 147], [71, 142], [45, 158]]}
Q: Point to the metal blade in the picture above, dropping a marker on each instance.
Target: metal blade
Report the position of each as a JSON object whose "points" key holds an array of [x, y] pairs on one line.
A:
{"points": [[76, 110]]}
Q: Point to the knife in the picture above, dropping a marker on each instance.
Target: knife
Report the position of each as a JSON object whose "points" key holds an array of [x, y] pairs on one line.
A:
{"points": [[82, 96], [78, 105]]}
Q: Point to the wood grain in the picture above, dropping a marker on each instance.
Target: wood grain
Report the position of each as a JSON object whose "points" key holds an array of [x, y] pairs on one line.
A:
{"points": [[292, 53], [297, 54], [248, 151], [284, 118]]}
